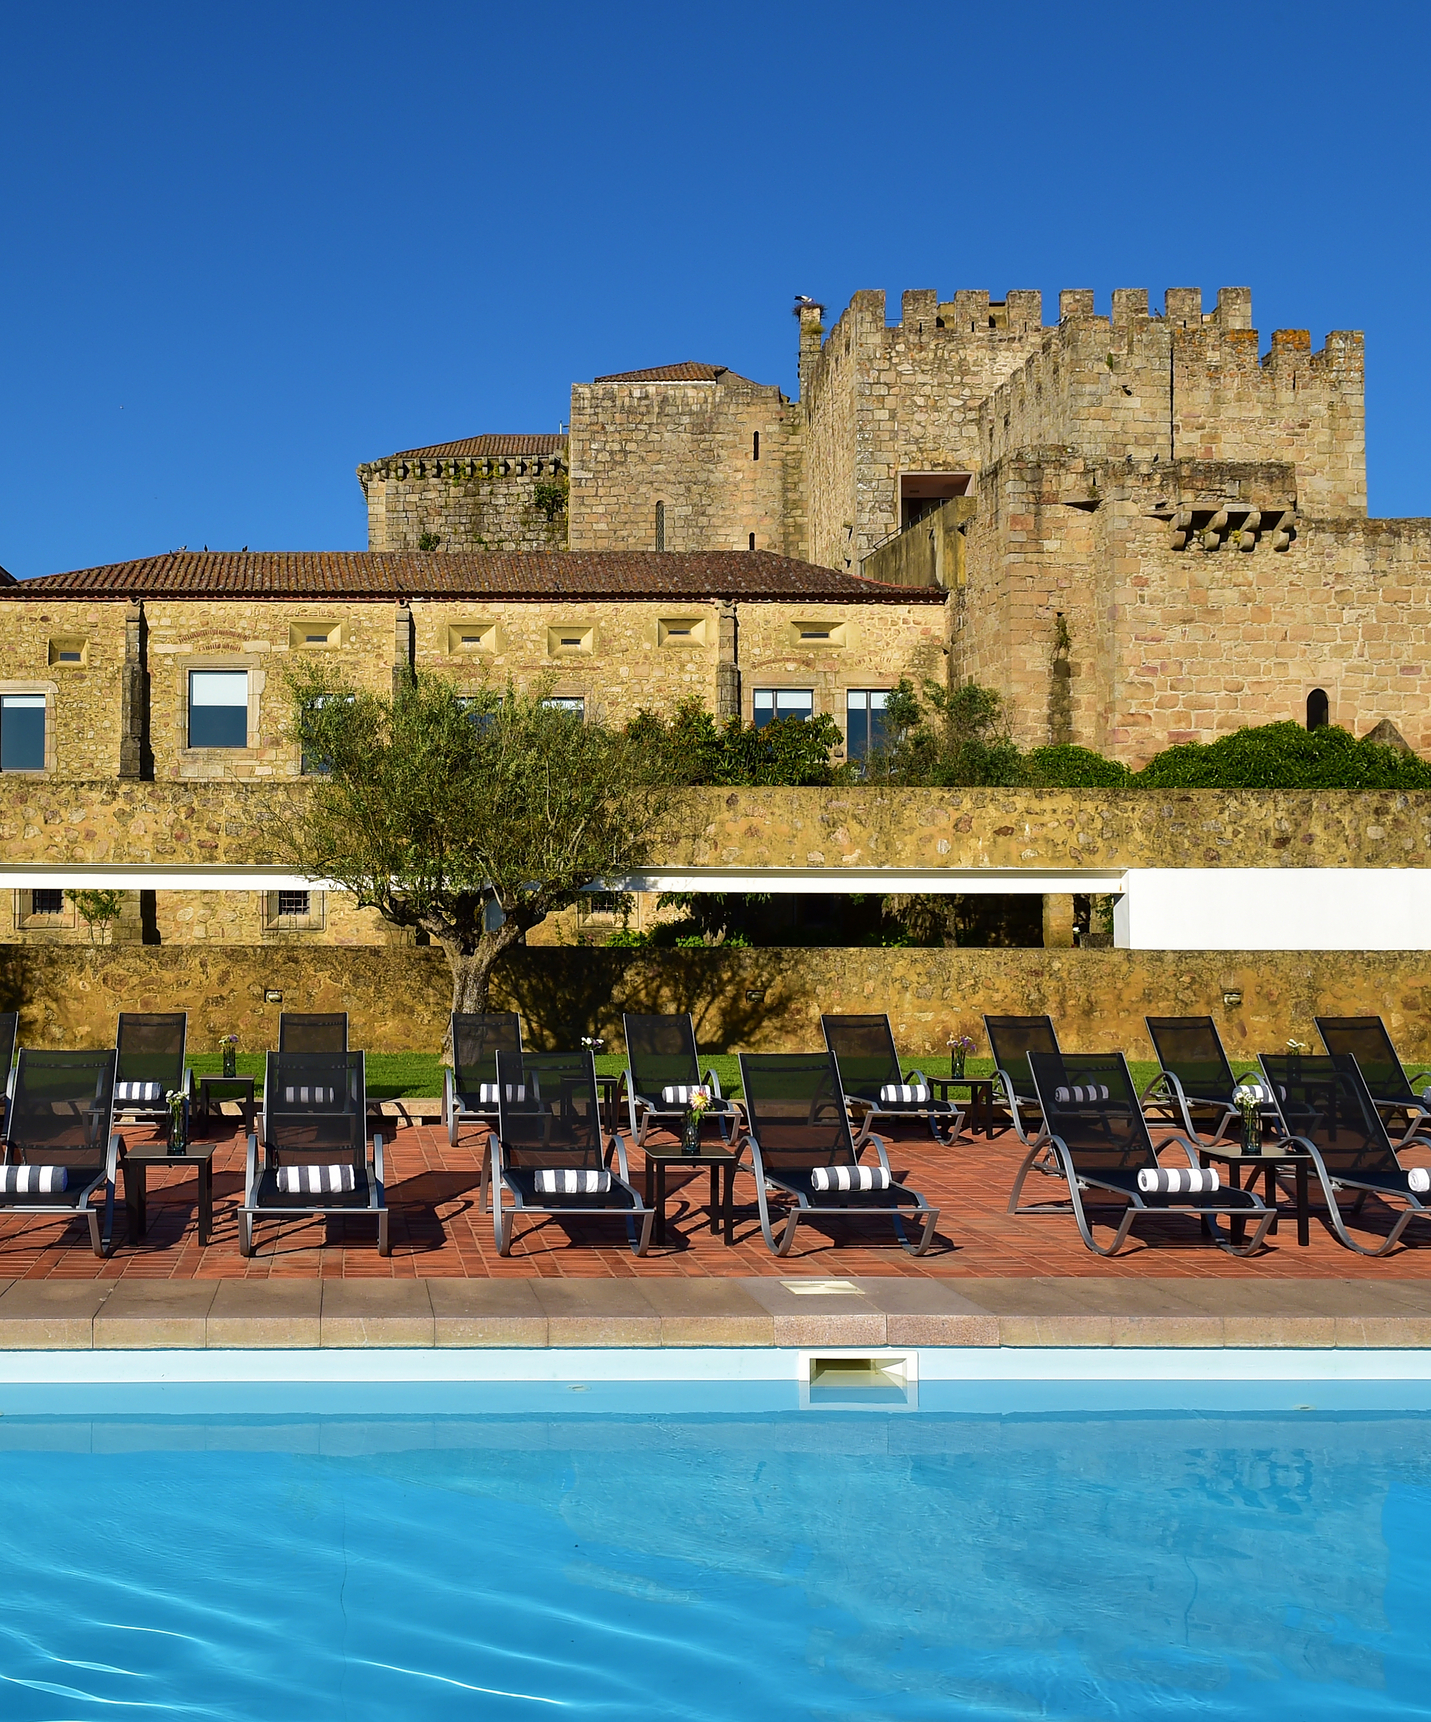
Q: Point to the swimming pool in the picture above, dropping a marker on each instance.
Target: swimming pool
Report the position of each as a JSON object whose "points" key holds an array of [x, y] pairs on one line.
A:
{"points": [[553, 1550]]}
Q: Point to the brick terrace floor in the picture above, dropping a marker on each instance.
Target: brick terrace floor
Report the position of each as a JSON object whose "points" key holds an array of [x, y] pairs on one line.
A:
{"points": [[438, 1230]]}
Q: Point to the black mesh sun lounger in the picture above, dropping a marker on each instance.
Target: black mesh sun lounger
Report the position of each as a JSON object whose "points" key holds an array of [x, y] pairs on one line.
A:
{"points": [[469, 1088], [310, 1158], [61, 1116], [1195, 1082], [1011, 1040], [548, 1155], [662, 1061], [1325, 1105], [150, 1064], [870, 1076], [1096, 1139], [1367, 1041], [313, 1031], [799, 1133]]}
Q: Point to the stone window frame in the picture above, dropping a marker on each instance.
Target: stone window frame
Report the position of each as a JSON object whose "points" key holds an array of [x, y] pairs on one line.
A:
{"points": [[51, 692], [856, 688], [313, 922], [586, 631], [67, 921], [789, 688], [220, 661]]}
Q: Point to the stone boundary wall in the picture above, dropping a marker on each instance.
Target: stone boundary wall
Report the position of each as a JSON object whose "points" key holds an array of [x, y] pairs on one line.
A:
{"points": [[222, 823], [755, 1000]]}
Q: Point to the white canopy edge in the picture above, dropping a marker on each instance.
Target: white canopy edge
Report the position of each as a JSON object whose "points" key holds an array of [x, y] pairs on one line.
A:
{"points": [[150, 878]]}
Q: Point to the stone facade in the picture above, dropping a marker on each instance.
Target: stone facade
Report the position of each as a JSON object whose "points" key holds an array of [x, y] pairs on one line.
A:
{"points": [[484, 493], [717, 458], [399, 1000]]}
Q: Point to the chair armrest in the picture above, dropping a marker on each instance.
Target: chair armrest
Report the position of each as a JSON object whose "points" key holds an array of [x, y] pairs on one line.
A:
{"points": [[712, 1082], [111, 1158], [1161, 1083], [250, 1180], [618, 1141], [378, 1159], [879, 1149], [1183, 1143], [448, 1091], [917, 1076]]}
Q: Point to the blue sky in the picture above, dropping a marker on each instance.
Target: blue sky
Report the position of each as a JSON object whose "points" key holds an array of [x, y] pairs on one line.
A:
{"points": [[247, 247]]}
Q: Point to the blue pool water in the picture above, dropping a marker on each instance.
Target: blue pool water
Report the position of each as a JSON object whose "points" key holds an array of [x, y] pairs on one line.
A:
{"points": [[704, 1565]]}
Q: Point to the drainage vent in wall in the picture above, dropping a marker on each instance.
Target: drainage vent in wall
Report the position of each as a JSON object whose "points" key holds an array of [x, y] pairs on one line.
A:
{"points": [[859, 1381]]}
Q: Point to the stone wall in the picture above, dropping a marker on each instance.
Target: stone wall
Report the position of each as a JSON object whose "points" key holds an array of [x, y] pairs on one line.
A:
{"points": [[885, 400], [473, 501], [754, 1000], [223, 824], [689, 446]]}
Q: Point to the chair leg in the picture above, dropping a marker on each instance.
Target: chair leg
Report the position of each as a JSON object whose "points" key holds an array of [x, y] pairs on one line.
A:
{"points": [[384, 1245], [245, 1234], [452, 1129], [641, 1244]]}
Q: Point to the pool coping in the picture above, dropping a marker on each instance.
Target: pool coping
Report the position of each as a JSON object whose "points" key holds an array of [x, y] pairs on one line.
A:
{"points": [[347, 1314]]}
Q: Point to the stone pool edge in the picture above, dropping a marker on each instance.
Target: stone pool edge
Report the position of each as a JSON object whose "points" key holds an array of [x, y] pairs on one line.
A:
{"points": [[737, 1313]]}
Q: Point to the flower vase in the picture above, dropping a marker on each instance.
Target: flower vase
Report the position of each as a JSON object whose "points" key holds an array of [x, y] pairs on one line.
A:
{"points": [[230, 1061], [1251, 1129], [178, 1125], [956, 1064], [691, 1134]]}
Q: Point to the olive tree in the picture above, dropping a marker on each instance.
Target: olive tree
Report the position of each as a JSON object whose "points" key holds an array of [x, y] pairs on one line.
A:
{"points": [[469, 816]]}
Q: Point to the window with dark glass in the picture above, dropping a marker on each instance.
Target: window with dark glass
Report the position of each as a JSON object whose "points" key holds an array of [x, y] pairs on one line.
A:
{"points": [[660, 526], [218, 708], [1317, 707], [772, 703], [864, 721], [47, 902], [292, 903], [22, 732]]}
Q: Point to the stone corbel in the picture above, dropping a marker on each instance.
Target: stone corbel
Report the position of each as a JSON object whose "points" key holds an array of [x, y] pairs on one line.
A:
{"points": [[1212, 534]]}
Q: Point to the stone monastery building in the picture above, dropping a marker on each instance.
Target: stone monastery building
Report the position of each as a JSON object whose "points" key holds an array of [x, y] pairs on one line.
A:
{"points": [[1139, 527]]}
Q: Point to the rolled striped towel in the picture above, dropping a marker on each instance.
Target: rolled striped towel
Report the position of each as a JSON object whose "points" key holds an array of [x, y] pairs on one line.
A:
{"points": [[568, 1182], [1419, 1180], [303, 1095], [1077, 1096], [316, 1180], [905, 1093], [148, 1091], [490, 1093], [850, 1178], [1178, 1181], [682, 1094], [33, 1180]]}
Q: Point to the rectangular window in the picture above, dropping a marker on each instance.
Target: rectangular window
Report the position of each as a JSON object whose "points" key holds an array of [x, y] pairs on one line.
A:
{"points": [[22, 732], [47, 902], [567, 704], [864, 721], [218, 708], [292, 903], [772, 703]]}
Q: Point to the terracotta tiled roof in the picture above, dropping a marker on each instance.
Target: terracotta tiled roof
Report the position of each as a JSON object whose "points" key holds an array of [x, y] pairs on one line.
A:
{"points": [[688, 371], [482, 447], [535, 574]]}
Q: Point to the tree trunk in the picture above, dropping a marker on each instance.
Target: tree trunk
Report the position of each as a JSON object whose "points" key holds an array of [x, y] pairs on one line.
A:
{"points": [[472, 974]]}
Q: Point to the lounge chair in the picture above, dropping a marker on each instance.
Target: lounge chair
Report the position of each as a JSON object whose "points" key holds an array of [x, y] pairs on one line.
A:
{"points": [[870, 1076], [1011, 1040], [799, 1134], [150, 1064], [1366, 1039], [313, 1160], [313, 1031], [548, 1156], [1325, 1105], [662, 1066], [469, 1088], [1195, 1075], [61, 1120], [1095, 1138]]}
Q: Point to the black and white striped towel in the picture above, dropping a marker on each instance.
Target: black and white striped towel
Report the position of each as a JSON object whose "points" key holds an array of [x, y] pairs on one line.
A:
{"points": [[33, 1180], [303, 1095], [1418, 1179], [1178, 1181], [489, 1093], [146, 1091], [1077, 1096], [905, 1093], [682, 1093], [850, 1178], [316, 1180], [572, 1183]]}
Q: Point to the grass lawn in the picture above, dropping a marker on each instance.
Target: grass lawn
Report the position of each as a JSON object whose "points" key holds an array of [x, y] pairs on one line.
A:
{"points": [[418, 1075]]}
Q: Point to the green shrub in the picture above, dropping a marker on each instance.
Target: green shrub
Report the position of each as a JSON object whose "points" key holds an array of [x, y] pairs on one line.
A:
{"points": [[1284, 756], [1067, 766]]}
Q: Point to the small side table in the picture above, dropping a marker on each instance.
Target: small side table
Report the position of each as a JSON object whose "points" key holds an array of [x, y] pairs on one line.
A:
{"points": [[1268, 1165], [135, 1163], [207, 1096], [609, 1093], [720, 1159], [981, 1099]]}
